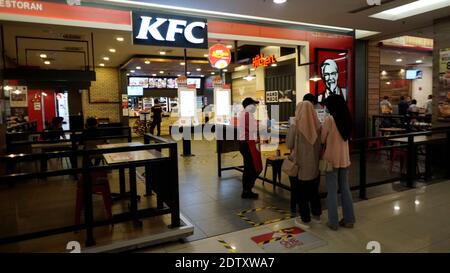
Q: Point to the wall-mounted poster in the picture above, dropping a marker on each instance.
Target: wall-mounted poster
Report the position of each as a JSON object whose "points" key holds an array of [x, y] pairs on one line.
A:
{"points": [[331, 66], [18, 96], [444, 85], [272, 96]]}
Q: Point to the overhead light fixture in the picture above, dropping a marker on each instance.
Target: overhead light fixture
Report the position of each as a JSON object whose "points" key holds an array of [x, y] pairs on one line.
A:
{"points": [[120, 39], [132, 71], [102, 64], [7, 88], [189, 73], [199, 69], [411, 9], [419, 61], [161, 72], [147, 62], [47, 62], [182, 63], [399, 60], [388, 83], [128, 74], [112, 50], [43, 56], [229, 46], [106, 58], [205, 55], [162, 53], [315, 78], [138, 67], [384, 73], [274, 65], [279, 1], [225, 70], [417, 202], [202, 76], [396, 207], [179, 75], [154, 75]]}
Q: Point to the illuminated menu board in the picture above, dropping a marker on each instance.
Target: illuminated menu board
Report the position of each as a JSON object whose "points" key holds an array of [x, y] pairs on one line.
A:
{"points": [[138, 81], [161, 83]]}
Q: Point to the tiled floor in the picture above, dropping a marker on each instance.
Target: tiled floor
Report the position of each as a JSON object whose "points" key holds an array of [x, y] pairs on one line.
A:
{"points": [[411, 221]]}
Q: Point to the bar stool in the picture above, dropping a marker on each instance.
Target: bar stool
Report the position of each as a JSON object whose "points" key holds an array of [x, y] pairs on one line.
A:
{"points": [[275, 162]]}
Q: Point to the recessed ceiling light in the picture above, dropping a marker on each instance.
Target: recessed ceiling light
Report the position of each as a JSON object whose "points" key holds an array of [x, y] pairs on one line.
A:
{"points": [[47, 62], [202, 76], [154, 75], [212, 73], [225, 70], [397, 207], [138, 67], [162, 53], [388, 83], [205, 55], [120, 39], [106, 58], [279, 1], [399, 60], [384, 72], [229, 46], [273, 65], [147, 62], [182, 63], [112, 50], [102, 64], [411, 9], [419, 61], [189, 73], [128, 74], [161, 72], [132, 71], [199, 69], [179, 75], [43, 56]]}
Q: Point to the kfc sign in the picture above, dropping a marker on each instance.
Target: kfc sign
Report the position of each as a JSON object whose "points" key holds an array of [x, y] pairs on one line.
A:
{"points": [[171, 31]]}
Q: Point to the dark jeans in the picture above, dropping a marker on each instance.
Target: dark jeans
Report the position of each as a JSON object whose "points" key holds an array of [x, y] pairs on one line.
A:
{"points": [[306, 194], [156, 124], [249, 177]]}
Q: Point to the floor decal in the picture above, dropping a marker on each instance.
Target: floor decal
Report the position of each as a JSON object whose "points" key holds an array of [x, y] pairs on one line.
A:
{"points": [[227, 246], [291, 239], [285, 215]]}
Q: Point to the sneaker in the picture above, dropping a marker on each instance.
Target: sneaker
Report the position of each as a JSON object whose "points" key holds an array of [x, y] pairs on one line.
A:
{"points": [[346, 225], [332, 227], [249, 195], [316, 219], [298, 222]]}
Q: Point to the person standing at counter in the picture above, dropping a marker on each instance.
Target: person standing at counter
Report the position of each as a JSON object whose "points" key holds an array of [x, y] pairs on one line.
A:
{"points": [[157, 118], [403, 106], [248, 136]]}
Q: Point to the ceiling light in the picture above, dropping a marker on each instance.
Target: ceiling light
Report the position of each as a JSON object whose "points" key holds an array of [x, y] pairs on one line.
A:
{"points": [[147, 62], [182, 63], [315, 78], [399, 60], [112, 50], [161, 72], [189, 73], [397, 208], [252, 69], [106, 58], [47, 62], [199, 69], [102, 64], [274, 65], [179, 75], [388, 83], [43, 56], [279, 1], [411, 9], [7, 88], [132, 71], [202, 76], [205, 55], [384, 72], [128, 74], [225, 70], [212, 73], [120, 39], [154, 75], [162, 53], [138, 67], [419, 61], [229, 46], [417, 202]]}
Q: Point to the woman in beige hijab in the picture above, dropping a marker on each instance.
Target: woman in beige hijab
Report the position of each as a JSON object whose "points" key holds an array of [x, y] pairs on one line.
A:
{"points": [[305, 144]]}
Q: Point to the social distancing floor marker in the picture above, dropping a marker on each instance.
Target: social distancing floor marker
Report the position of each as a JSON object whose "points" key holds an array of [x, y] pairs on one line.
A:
{"points": [[227, 246], [287, 215]]}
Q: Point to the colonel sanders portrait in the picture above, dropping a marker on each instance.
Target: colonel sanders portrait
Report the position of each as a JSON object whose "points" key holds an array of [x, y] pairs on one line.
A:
{"points": [[330, 75]]}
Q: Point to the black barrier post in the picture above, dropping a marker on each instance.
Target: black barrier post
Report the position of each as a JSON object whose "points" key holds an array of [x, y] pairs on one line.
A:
{"points": [[174, 200], [219, 157], [362, 171], [411, 162], [448, 154], [129, 134], [87, 200]]}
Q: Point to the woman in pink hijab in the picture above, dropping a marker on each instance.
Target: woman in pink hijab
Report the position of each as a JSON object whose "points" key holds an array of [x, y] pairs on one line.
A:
{"points": [[305, 144]]}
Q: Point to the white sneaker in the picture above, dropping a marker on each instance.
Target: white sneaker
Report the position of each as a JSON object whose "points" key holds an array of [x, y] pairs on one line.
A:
{"points": [[298, 222], [316, 219]]}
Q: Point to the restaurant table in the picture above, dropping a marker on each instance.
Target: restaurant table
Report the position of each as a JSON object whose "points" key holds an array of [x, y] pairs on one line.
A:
{"points": [[50, 147], [134, 156], [423, 140]]}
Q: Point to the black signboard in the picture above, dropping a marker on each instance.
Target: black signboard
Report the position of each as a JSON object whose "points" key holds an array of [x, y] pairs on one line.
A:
{"points": [[169, 30]]}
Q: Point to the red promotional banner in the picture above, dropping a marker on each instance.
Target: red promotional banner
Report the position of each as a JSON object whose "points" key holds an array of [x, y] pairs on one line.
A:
{"points": [[219, 56]]}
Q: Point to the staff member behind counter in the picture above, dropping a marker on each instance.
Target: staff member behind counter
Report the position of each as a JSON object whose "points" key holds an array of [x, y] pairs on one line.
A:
{"points": [[157, 118]]}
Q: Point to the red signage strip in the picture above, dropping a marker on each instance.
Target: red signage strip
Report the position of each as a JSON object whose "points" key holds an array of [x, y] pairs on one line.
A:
{"points": [[64, 12]]}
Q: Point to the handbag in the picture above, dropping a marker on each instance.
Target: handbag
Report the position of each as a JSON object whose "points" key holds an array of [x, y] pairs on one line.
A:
{"points": [[289, 165]]}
